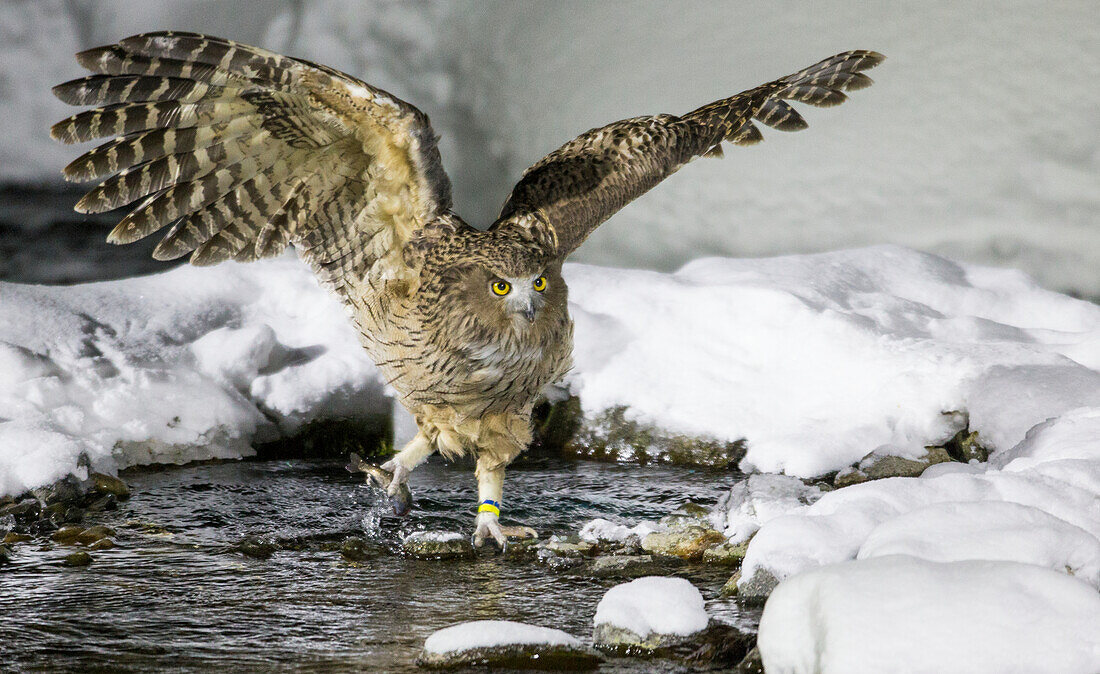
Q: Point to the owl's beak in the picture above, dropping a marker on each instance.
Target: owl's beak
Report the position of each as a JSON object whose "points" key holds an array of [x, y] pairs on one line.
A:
{"points": [[529, 312]]}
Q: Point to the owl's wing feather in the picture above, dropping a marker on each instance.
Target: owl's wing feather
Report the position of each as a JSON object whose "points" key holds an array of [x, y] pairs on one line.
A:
{"points": [[577, 187], [244, 151]]}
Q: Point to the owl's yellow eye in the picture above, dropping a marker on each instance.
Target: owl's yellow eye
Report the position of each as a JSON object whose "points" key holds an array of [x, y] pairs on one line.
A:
{"points": [[501, 288], [539, 284]]}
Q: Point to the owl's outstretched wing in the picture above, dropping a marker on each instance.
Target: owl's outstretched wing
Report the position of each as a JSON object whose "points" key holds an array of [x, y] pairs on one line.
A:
{"points": [[577, 187], [243, 151]]}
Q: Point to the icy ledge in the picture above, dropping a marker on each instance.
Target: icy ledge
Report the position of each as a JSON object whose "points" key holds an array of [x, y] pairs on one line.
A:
{"points": [[806, 362]]}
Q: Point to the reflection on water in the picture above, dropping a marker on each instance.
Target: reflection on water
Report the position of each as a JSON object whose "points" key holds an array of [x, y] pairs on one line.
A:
{"points": [[174, 594]]}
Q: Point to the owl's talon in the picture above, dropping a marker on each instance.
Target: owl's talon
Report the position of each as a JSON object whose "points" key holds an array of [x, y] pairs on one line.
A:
{"points": [[400, 476], [488, 526]]}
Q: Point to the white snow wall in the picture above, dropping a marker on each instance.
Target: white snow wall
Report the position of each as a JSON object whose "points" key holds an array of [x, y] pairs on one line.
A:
{"points": [[981, 139]]}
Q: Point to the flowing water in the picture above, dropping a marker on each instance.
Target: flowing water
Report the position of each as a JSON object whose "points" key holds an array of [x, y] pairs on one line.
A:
{"points": [[176, 595]]}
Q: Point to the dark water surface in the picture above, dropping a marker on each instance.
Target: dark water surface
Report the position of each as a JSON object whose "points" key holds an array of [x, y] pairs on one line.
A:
{"points": [[174, 595]]}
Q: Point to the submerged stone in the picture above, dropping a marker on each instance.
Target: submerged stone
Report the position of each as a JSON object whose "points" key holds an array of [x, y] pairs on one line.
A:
{"points": [[102, 544], [94, 534], [79, 558], [110, 485], [438, 545], [754, 589], [67, 535], [5, 554], [506, 644], [257, 547], [622, 566], [356, 549]]}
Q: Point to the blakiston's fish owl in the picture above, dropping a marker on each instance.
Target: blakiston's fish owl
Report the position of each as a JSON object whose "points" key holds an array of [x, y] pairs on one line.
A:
{"points": [[243, 151]]}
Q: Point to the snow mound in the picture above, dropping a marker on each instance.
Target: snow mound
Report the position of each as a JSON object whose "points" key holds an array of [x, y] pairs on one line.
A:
{"points": [[599, 529], [190, 364], [1002, 531], [905, 615], [1052, 477], [494, 634], [817, 360], [760, 498], [653, 605]]}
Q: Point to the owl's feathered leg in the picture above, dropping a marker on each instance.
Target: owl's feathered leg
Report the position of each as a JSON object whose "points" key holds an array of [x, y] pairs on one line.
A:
{"points": [[502, 440], [411, 456]]}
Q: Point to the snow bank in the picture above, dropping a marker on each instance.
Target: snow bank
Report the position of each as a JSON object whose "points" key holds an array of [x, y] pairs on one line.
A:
{"points": [[189, 364], [1052, 477], [653, 605], [599, 529], [817, 360], [493, 634], [903, 615]]}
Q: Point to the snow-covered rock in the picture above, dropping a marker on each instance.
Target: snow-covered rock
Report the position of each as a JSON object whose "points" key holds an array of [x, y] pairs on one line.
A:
{"points": [[1052, 478], [504, 643], [190, 364], [760, 498], [817, 360], [648, 613], [910, 616], [994, 530]]}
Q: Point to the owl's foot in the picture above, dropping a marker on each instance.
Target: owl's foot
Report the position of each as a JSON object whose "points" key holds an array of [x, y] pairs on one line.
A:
{"points": [[488, 526], [400, 476]]}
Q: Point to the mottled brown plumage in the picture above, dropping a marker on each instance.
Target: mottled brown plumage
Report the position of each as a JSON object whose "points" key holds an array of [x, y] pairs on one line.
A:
{"points": [[241, 152]]}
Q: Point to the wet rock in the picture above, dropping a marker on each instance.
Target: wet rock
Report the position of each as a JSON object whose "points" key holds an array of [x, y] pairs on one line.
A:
{"points": [[102, 504], [67, 490], [719, 646], [751, 663], [64, 513], [438, 545], [563, 563], [102, 544], [877, 466], [94, 534], [689, 543], [506, 645], [11, 538], [79, 558], [569, 547], [109, 485], [524, 549], [726, 554], [966, 447], [5, 555], [356, 549], [23, 513], [148, 528], [754, 590], [257, 547], [647, 614], [622, 566], [67, 535]]}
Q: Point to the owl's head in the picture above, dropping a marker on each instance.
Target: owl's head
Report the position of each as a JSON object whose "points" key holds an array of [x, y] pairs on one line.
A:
{"points": [[513, 297]]}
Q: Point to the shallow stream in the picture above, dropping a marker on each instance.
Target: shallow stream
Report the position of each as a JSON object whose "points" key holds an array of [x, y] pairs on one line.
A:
{"points": [[176, 595]]}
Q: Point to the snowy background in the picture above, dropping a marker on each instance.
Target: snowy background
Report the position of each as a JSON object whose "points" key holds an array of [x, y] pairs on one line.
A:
{"points": [[980, 140]]}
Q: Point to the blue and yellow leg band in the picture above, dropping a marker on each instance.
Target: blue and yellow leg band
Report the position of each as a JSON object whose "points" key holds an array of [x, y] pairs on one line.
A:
{"points": [[489, 506]]}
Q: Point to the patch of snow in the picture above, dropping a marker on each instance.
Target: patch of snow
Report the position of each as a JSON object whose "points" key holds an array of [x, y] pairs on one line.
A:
{"points": [[997, 531], [190, 364], [654, 605], [756, 500], [817, 360], [495, 633], [908, 616], [434, 536], [599, 529], [1053, 477]]}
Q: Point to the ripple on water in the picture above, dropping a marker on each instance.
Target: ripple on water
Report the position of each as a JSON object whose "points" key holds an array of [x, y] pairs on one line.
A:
{"points": [[173, 594]]}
